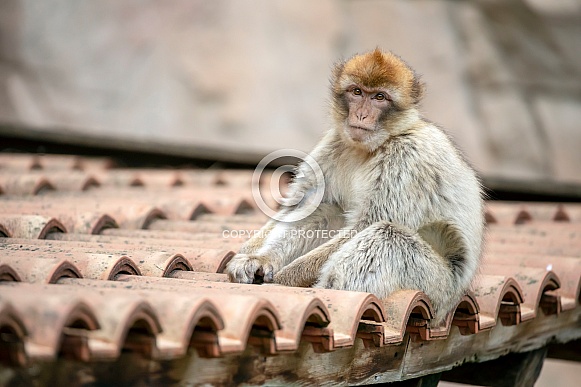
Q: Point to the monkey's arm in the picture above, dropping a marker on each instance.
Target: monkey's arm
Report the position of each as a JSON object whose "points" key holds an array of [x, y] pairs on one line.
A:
{"points": [[304, 271], [282, 242], [253, 244]]}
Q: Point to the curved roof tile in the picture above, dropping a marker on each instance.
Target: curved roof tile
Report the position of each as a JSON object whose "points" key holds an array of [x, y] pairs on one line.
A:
{"points": [[490, 292], [30, 268], [30, 226], [180, 228], [12, 352], [47, 323]]}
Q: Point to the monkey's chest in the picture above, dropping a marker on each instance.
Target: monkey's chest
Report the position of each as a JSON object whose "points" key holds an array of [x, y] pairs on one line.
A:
{"points": [[350, 189]]}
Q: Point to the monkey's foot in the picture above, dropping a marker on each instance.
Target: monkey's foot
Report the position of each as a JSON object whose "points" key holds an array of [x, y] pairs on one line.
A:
{"points": [[250, 269]]}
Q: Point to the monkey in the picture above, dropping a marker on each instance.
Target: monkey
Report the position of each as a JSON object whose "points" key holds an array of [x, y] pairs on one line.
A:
{"points": [[406, 206]]}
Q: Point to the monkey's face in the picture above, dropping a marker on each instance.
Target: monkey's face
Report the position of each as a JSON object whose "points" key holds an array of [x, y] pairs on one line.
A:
{"points": [[367, 109], [371, 92]]}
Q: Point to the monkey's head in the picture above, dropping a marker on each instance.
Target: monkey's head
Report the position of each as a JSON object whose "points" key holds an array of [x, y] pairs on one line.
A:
{"points": [[371, 94]]}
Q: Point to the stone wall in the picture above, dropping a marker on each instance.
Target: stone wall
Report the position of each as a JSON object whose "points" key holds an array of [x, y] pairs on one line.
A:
{"points": [[232, 79]]}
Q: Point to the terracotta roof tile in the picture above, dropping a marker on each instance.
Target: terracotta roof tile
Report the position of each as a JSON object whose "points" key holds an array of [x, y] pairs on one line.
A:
{"points": [[30, 268], [7, 273], [75, 215], [200, 276], [344, 325], [515, 213], [24, 184], [26, 162], [200, 258], [467, 315], [56, 180], [534, 283], [567, 268], [248, 318], [134, 265], [115, 314], [400, 307], [498, 296], [12, 350], [19, 162], [151, 262], [52, 326], [35, 183], [186, 318], [143, 177]]}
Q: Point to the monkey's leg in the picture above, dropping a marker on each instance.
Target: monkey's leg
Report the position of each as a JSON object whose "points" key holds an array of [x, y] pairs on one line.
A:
{"points": [[284, 242], [384, 258]]}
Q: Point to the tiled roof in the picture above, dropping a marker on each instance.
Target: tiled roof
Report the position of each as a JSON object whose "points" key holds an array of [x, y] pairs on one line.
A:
{"points": [[97, 262]]}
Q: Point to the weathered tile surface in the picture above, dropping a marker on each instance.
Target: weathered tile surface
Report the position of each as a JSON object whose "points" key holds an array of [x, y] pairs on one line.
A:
{"points": [[94, 274]]}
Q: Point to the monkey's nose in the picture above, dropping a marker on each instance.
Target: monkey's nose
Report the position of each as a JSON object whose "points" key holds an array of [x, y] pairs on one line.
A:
{"points": [[361, 116]]}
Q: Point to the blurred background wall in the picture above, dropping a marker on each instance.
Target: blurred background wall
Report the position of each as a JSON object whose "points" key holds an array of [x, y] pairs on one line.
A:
{"points": [[233, 80]]}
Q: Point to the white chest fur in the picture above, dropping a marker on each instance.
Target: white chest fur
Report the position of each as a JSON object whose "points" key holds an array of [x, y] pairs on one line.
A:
{"points": [[350, 186]]}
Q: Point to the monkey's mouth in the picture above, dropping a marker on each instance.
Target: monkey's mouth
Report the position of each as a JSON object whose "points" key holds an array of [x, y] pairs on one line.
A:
{"points": [[358, 133], [360, 128]]}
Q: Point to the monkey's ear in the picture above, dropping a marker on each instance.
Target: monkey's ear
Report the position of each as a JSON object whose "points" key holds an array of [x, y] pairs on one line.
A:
{"points": [[337, 70], [336, 76], [418, 89]]}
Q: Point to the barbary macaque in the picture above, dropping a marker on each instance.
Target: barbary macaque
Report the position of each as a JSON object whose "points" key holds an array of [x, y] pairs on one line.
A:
{"points": [[409, 205]]}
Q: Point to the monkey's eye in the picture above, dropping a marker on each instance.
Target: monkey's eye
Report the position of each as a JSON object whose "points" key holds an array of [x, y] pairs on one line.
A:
{"points": [[357, 91], [380, 96]]}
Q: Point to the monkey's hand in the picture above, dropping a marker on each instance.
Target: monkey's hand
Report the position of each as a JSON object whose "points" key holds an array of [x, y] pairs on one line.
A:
{"points": [[250, 269]]}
